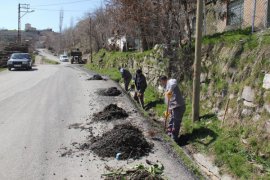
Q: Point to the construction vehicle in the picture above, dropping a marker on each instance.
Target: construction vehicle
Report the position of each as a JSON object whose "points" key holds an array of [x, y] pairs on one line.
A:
{"points": [[76, 57]]}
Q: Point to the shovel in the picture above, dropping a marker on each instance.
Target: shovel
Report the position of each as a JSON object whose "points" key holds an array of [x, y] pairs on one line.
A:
{"points": [[166, 117]]}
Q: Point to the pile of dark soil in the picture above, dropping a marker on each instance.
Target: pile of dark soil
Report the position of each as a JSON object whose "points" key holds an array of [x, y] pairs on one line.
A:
{"points": [[96, 77], [125, 139], [110, 112], [112, 91]]}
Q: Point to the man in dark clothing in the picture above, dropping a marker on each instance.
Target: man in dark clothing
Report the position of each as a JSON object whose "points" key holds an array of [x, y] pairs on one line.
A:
{"points": [[126, 75], [177, 106], [141, 85]]}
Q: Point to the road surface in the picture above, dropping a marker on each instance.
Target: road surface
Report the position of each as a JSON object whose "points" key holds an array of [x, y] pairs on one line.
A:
{"points": [[36, 110]]}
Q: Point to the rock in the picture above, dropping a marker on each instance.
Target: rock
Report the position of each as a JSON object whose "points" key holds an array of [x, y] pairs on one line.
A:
{"points": [[244, 141], [239, 99], [267, 107], [231, 96], [220, 115], [266, 81], [246, 112], [226, 177], [209, 104], [267, 127], [248, 94], [157, 46], [215, 110], [249, 104], [256, 118], [232, 70], [203, 77]]}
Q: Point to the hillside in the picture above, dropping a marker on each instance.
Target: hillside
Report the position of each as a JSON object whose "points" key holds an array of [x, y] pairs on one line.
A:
{"points": [[234, 129]]}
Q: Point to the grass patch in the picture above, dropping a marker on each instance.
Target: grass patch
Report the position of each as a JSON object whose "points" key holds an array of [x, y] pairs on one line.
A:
{"points": [[49, 61], [113, 73], [225, 144], [2, 69], [109, 59], [154, 100], [232, 37]]}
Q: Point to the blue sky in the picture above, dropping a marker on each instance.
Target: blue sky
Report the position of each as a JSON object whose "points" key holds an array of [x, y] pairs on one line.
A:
{"points": [[46, 14]]}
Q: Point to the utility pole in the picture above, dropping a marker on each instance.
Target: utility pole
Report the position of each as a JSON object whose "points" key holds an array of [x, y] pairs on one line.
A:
{"points": [[197, 63], [254, 14], [19, 24], [61, 17], [90, 38], [22, 8], [204, 19]]}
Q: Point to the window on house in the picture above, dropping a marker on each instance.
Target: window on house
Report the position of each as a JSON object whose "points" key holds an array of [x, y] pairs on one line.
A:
{"points": [[235, 12]]}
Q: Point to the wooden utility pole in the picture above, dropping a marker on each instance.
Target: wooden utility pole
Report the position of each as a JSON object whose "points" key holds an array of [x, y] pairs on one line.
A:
{"points": [[90, 34], [61, 18], [197, 63], [254, 15]]}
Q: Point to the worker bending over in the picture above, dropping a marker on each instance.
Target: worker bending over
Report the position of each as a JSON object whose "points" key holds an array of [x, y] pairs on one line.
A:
{"points": [[126, 75], [141, 85], [176, 103]]}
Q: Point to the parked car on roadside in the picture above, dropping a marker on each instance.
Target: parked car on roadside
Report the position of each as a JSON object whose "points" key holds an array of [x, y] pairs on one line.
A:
{"points": [[20, 61], [63, 58]]}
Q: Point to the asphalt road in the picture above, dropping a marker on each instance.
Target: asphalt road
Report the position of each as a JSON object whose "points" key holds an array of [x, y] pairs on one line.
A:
{"points": [[36, 109]]}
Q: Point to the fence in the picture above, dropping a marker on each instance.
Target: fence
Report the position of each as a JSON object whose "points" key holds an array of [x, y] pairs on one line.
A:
{"points": [[221, 15]]}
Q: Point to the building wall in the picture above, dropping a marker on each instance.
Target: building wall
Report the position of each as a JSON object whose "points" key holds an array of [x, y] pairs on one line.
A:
{"points": [[27, 27]]}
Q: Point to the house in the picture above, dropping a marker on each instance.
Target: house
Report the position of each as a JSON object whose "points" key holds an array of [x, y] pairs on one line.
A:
{"points": [[28, 27], [123, 43], [234, 14]]}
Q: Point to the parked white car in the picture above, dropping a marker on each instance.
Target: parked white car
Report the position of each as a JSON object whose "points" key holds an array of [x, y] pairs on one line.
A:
{"points": [[63, 58]]}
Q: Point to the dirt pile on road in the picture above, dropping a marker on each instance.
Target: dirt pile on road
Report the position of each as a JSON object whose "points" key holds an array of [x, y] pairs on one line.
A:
{"points": [[112, 91], [96, 77], [125, 139], [109, 113]]}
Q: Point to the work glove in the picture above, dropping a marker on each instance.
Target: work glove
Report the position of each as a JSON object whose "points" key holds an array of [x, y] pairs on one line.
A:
{"points": [[166, 114], [168, 94]]}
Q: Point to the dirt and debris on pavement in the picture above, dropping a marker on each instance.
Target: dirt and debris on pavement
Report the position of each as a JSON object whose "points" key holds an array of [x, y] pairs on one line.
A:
{"points": [[140, 171], [112, 91], [125, 139], [109, 113], [96, 77]]}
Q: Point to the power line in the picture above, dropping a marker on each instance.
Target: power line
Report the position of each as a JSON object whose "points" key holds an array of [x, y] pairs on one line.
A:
{"points": [[56, 10], [63, 3]]}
